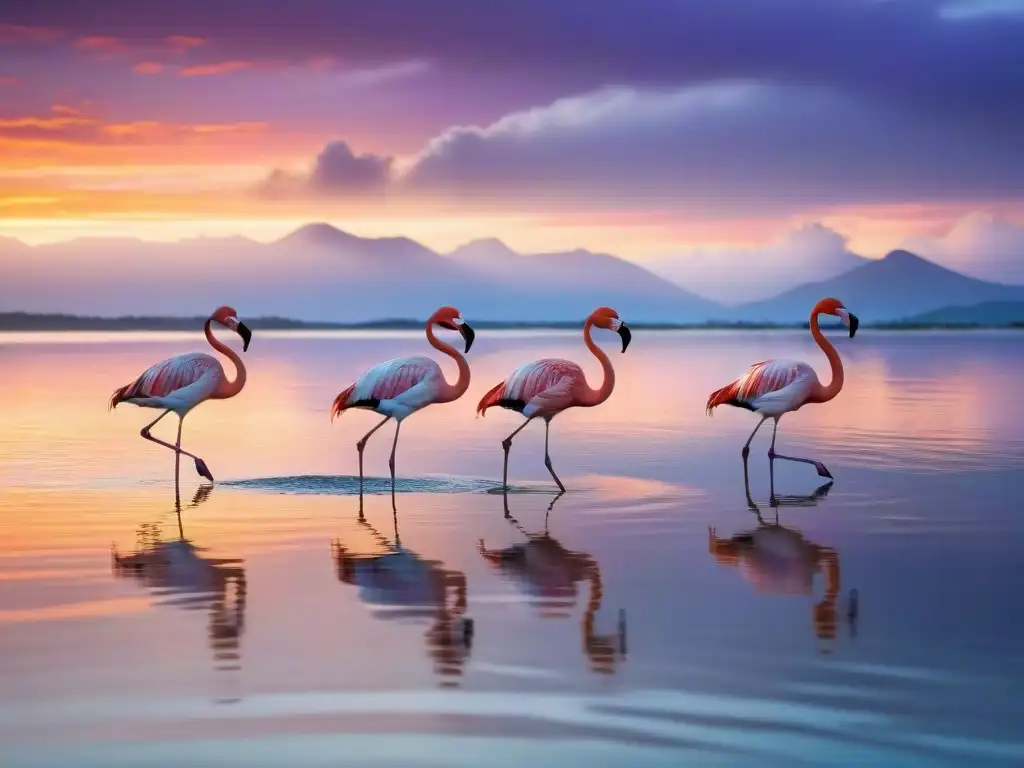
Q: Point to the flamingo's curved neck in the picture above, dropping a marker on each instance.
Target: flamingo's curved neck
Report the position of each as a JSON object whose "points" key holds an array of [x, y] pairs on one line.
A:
{"points": [[593, 397], [226, 388], [822, 394], [458, 389]]}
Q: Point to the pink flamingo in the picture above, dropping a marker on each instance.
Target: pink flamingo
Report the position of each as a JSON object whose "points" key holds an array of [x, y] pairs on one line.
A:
{"points": [[181, 383], [545, 388], [398, 388], [773, 388]]}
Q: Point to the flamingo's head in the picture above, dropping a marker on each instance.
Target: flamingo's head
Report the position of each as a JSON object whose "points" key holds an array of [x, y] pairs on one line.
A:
{"points": [[451, 318], [608, 318], [227, 317], [835, 307]]}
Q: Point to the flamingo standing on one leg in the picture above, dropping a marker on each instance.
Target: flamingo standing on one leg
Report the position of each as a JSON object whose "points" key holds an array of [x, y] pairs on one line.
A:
{"points": [[773, 388], [398, 388], [545, 388], [181, 383]]}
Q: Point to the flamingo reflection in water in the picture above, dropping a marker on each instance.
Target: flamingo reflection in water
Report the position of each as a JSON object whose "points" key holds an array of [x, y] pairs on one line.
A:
{"points": [[176, 572], [779, 560], [548, 572], [402, 585]]}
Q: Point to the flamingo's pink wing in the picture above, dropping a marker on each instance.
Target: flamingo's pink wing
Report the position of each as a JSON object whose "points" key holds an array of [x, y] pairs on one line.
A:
{"points": [[393, 378], [170, 375], [768, 377], [544, 384]]}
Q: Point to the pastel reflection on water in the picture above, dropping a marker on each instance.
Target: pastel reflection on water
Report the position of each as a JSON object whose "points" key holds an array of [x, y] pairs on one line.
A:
{"points": [[548, 573], [177, 574], [400, 585]]}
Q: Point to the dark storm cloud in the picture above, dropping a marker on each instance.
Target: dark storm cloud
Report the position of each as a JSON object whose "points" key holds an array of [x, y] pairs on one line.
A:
{"points": [[909, 53]]}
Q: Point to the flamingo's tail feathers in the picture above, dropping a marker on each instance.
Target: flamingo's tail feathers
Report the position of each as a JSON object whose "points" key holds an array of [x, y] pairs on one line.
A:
{"points": [[120, 394], [725, 396], [491, 399], [341, 402]]}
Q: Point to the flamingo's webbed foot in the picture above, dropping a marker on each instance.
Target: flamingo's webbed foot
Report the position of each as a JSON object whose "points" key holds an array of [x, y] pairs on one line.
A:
{"points": [[823, 470], [203, 470]]}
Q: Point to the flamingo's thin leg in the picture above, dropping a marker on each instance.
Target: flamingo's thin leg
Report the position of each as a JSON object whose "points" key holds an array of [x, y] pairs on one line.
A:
{"points": [[772, 455], [746, 447], [177, 453], [391, 464], [201, 467], [507, 445], [359, 447], [547, 456]]}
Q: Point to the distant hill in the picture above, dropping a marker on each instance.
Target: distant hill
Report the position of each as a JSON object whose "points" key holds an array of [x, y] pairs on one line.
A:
{"points": [[899, 286], [988, 314], [541, 282], [321, 274]]}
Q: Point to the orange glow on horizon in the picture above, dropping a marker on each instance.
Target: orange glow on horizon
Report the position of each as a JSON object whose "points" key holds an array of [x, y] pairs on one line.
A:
{"points": [[72, 172]]}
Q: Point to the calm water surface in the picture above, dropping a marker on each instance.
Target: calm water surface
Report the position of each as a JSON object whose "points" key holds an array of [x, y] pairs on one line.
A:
{"points": [[656, 615]]}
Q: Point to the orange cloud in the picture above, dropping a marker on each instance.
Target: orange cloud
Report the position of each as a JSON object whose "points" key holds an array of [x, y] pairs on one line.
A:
{"points": [[18, 33], [56, 122], [155, 132], [183, 43], [220, 68], [148, 68], [64, 109], [67, 138], [102, 46]]}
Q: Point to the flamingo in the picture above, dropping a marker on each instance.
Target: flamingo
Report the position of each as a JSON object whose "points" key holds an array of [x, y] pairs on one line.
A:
{"points": [[398, 388], [773, 388], [181, 383], [545, 388]]}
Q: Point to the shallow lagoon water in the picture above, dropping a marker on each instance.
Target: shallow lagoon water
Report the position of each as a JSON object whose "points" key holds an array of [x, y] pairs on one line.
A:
{"points": [[655, 615]]}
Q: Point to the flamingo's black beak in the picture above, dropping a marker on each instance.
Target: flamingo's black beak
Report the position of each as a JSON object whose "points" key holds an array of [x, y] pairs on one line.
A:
{"points": [[854, 323], [626, 335], [468, 334], [245, 333]]}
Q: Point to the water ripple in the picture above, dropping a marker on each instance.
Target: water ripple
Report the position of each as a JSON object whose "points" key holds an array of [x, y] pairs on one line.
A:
{"points": [[348, 485], [758, 727]]}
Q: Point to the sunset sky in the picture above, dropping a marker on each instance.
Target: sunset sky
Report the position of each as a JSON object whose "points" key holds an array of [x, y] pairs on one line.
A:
{"points": [[645, 128]]}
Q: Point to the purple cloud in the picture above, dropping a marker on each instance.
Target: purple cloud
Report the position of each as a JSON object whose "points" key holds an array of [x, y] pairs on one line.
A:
{"points": [[752, 148], [337, 171], [952, 58]]}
